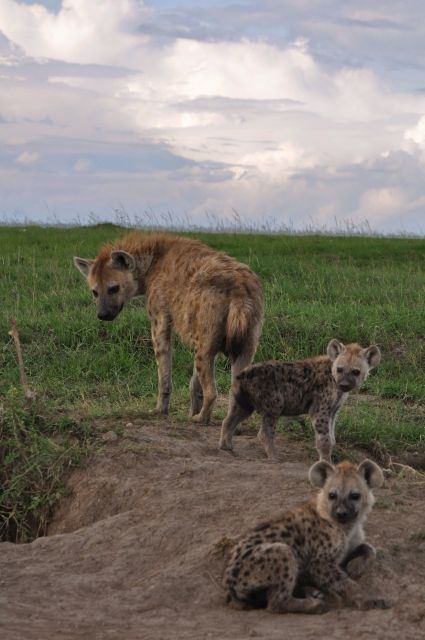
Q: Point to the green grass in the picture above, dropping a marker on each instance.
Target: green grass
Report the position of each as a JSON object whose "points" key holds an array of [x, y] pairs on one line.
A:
{"points": [[37, 448], [369, 290]]}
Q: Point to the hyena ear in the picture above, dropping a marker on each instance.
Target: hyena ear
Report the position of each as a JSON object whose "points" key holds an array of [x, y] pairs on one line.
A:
{"points": [[122, 261], [334, 349], [371, 473], [320, 472], [372, 356], [83, 265], [145, 261]]}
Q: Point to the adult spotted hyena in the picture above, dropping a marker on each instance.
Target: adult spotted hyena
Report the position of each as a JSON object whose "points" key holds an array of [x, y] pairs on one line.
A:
{"points": [[316, 386], [213, 302], [316, 549]]}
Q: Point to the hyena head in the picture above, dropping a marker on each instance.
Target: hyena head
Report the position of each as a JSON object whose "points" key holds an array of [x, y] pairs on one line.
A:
{"points": [[345, 495], [351, 363], [113, 278]]}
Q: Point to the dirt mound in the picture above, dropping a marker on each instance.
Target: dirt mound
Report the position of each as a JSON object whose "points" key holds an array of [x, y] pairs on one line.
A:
{"points": [[134, 551]]}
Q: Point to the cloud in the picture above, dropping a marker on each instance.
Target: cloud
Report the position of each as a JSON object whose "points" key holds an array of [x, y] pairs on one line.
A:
{"points": [[27, 159], [81, 32], [294, 112], [82, 165]]}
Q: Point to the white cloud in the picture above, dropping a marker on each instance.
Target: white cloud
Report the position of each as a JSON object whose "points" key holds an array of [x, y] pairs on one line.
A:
{"points": [[267, 126], [82, 165], [27, 159], [417, 133], [82, 31]]}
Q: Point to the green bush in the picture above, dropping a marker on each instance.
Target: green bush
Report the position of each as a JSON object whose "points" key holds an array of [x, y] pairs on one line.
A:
{"points": [[36, 451]]}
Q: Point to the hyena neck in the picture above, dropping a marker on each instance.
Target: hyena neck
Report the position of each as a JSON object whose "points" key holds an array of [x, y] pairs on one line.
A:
{"points": [[356, 535], [140, 275]]}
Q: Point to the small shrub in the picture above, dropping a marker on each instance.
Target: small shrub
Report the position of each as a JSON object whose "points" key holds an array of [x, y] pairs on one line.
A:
{"points": [[36, 450]]}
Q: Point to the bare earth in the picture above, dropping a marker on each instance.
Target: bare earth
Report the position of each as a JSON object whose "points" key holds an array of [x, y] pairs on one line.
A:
{"points": [[135, 551]]}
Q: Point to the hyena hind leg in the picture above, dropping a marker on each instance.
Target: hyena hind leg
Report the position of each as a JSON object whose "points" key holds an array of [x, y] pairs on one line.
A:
{"points": [[204, 367], [280, 603], [239, 362], [196, 394]]}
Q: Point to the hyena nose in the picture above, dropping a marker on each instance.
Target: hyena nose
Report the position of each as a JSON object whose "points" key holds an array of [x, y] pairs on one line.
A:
{"points": [[342, 515], [102, 315], [345, 386]]}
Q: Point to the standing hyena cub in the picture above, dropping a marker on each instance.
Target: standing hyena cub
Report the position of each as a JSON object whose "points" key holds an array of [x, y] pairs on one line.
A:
{"points": [[318, 547], [213, 302], [317, 386]]}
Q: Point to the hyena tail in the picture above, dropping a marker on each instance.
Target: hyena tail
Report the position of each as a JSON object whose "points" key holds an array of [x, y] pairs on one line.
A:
{"points": [[239, 325]]}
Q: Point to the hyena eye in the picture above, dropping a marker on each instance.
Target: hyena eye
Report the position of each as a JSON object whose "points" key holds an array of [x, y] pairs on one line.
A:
{"points": [[355, 372], [95, 293], [340, 369], [332, 495], [354, 495], [114, 289]]}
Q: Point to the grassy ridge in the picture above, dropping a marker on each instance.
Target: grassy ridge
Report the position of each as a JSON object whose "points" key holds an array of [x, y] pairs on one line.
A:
{"points": [[353, 288]]}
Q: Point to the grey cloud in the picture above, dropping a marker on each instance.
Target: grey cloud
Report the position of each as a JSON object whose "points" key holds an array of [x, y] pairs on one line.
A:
{"points": [[219, 103], [380, 23]]}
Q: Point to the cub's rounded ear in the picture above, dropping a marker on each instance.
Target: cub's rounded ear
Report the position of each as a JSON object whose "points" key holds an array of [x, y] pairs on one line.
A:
{"points": [[83, 265], [122, 261], [334, 349], [371, 473], [372, 356], [320, 472]]}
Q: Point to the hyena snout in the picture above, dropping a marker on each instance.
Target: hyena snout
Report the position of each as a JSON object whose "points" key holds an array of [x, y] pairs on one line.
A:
{"points": [[344, 514], [346, 385], [109, 312], [349, 377]]}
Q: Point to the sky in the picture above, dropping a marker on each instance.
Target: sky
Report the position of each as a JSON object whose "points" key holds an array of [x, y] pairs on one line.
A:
{"points": [[271, 114]]}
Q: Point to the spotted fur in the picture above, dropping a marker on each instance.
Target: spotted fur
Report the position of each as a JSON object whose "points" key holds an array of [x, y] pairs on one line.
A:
{"points": [[316, 386], [319, 544]]}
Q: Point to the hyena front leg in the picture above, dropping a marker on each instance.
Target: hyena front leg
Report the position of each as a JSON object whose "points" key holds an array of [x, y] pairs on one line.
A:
{"points": [[161, 340], [324, 439], [266, 435], [204, 367], [235, 415], [359, 560], [342, 589]]}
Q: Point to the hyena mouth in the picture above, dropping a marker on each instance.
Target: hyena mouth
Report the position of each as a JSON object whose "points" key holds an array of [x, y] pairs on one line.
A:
{"points": [[110, 315], [345, 518], [345, 387]]}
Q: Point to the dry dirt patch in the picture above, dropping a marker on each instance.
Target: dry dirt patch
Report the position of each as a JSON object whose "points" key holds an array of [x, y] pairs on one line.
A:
{"points": [[133, 551]]}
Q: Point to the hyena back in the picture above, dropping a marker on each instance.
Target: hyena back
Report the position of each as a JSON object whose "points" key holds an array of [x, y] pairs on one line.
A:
{"points": [[316, 386], [315, 549], [213, 302]]}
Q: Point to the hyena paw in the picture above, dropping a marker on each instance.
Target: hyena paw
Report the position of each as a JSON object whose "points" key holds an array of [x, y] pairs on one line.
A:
{"points": [[376, 603], [224, 446], [356, 568], [313, 592], [200, 418], [316, 605]]}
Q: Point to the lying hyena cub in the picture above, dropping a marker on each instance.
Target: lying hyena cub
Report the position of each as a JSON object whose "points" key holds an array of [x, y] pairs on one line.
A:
{"points": [[317, 386], [320, 544]]}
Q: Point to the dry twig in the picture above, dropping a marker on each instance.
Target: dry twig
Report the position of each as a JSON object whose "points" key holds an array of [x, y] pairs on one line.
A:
{"points": [[29, 394]]}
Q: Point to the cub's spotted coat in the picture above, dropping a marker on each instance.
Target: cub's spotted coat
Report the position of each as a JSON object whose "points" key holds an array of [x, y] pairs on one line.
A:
{"points": [[318, 545], [317, 386]]}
